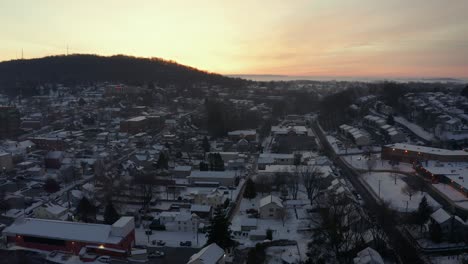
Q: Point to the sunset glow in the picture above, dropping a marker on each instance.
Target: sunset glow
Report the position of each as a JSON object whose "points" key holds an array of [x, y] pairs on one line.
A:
{"points": [[419, 38]]}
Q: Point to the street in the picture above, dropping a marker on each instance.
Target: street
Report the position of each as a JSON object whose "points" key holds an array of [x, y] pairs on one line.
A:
{"points": [[404, 250]]}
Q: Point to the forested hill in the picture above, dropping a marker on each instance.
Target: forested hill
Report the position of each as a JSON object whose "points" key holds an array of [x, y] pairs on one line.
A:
{"points": [[74, 69]]}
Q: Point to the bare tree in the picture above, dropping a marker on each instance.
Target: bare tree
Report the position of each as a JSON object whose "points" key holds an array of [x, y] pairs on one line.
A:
{"points": [[293, 183], [263, 184], [283, 215], [371, 162], [335, 233], [147, 184], [408, 190], [312, 180]]}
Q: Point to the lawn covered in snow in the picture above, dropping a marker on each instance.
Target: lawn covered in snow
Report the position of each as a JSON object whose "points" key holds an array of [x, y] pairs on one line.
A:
{"points": [[291, 229], [360, 162], [393, 192]]}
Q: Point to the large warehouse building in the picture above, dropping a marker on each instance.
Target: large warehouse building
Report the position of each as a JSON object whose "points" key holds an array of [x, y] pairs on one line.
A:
{"points": [[49, 235], [414, 153]]}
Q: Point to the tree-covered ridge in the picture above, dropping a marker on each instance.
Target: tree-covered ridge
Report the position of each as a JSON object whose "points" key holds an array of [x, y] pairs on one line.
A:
{"points": [[83, 68]]}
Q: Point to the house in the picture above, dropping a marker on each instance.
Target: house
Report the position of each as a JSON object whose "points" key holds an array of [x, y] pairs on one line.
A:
{"points": [[181, 171], [211, 254], [270, 207], [6, 162], [368, 256], [213, 198], [51, 211], [53, 159], [202, 211], [223, 178], [184, 222], [248, 224], [447, 223]]}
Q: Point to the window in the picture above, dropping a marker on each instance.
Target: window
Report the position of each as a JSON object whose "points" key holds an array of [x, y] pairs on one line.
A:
{"points": [[272, 209], [48, 241]]}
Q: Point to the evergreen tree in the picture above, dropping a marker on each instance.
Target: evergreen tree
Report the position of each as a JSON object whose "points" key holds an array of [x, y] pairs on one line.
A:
{"points": [[110, 214], [81, 102], [390, 120], [51, 185], [163, 162], [424, 212], [86, 211], [218, 231], [250, 191], [206, 145], [203, 166], [216, 162], [464, 92]]}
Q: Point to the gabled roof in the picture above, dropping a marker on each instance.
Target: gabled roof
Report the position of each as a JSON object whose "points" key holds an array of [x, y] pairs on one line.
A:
{"points": [[207, 255], [368, 256], [271, 199], [440, 216]]}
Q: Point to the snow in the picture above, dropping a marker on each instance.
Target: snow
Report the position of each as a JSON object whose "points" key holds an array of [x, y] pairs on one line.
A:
{"points": [[360, 162], [290, 230], [440, 216], [391, 192], [419, 131], [452, 193], [172, 239], [73, 231], [209, 254], [446, 259], [339, 148]]}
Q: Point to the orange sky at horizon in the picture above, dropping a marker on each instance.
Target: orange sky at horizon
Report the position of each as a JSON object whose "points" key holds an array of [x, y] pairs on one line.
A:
{"points": [[353, 38]]}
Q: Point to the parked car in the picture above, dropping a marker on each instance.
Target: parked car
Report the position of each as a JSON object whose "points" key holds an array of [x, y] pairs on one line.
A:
{"points": [[104, 259], [53, 254], [158, 242], [156, 254], [186, 243], [148, 232]]}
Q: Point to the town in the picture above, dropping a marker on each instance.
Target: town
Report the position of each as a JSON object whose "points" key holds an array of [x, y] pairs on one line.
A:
{"points": [[273, 172]]}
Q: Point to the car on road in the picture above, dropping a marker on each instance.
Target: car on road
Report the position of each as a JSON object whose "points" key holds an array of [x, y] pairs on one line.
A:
{"points": [[186, 243], [53, 254], [158, 242], [104, 259], [156, 254]]}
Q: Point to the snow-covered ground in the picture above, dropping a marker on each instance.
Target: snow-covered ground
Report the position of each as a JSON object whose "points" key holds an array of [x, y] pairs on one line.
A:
{"points": [[419, 131], [446, 259], [457, 197], [172, 239], [393, 192], [450, 192], [287, 231], [360, 162]]}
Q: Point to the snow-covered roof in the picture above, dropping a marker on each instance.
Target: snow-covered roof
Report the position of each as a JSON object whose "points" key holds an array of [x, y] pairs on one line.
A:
{"points": [[210, 254], [429, 150], [440, 216], [271, 199], [368, 256], [212, 174], [72, 231], [136, 119], [200, 208], [242, 132], [183, 168]]}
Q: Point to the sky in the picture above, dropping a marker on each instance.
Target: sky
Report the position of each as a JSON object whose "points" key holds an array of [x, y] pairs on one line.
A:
{"points": [[356, 38]]}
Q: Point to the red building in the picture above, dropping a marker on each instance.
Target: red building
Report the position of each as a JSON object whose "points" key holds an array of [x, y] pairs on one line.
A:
{"points": [[113, 240]]}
